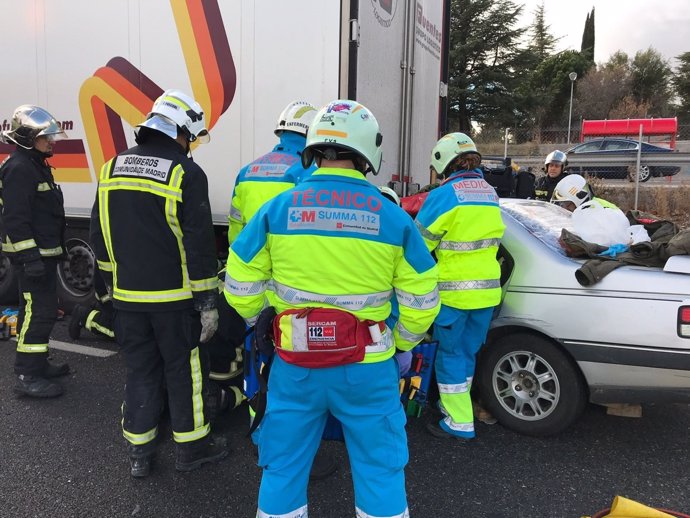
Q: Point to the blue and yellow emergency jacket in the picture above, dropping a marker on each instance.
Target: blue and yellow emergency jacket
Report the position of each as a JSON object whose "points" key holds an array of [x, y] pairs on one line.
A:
{"points": [[461, 221], [334, 241], [265, 178]]}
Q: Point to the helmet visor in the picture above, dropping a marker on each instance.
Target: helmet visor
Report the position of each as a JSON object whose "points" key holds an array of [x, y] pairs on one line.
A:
{"points": [[204, 137], [53, 131]]}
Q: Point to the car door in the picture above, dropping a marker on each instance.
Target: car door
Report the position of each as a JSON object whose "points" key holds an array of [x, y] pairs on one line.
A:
{"points": [[586, 150], [613, 147]]}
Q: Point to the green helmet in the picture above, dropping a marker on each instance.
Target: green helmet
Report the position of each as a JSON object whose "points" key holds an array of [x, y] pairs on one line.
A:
{"points": [[450, 147], [347, 126]]}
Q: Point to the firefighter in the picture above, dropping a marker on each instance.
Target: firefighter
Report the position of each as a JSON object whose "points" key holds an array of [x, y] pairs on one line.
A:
{"points": [[554, 171], [99, 319], [461, 222], [153, 236], [33, 225], [333, 352], [274, 172], [573, 191]]}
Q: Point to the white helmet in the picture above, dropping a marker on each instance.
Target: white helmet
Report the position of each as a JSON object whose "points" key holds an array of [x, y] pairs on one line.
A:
{"points": [[448, 148], [175, 109], [556, 157], [297, 116], [345, 126], [390, 194], [29, 122], [573, 188]]}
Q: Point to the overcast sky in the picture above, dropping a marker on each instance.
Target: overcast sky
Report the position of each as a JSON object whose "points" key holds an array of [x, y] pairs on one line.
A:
{"points": [[627, 25]]}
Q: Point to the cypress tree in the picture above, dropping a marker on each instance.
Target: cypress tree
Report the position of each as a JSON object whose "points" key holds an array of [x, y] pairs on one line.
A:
{"points": [[587, 47]]}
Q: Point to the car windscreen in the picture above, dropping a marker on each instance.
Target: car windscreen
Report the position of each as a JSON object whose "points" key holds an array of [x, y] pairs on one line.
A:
{"points": [[543, 220]]}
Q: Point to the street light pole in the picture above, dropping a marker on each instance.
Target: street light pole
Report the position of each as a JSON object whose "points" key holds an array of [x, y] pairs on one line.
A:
{"points": [[573, 77]]}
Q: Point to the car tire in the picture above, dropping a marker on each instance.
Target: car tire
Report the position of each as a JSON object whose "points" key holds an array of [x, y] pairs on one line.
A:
{"points": [[76, 272], [645, 173], [530, 385], [9, 293]]}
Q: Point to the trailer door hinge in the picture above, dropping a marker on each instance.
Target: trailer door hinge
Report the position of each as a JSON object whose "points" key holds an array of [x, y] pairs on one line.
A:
{"points": [[354, 31]]}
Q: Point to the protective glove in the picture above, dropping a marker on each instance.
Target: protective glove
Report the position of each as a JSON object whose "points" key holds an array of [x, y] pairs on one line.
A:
{"points": [[262, 340], [35, 269], [209, 324], [404, 359]]}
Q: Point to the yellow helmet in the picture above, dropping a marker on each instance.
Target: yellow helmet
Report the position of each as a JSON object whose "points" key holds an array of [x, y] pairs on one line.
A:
{"points": [[450, 147]]}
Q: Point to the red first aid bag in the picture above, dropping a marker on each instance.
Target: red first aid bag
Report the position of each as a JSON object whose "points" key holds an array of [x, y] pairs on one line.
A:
{"points": [[323, 337]]}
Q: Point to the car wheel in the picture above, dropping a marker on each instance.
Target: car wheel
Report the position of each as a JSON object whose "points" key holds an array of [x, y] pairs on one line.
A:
{"points": [[645, 173], [76, 272], [530, 385]]}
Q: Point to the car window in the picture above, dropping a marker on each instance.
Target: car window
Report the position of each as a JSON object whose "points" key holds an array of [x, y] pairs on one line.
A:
{"points": [[587, 147], [619, 145], [543, 220]]}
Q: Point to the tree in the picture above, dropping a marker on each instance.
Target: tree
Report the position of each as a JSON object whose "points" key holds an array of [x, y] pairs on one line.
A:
{"points": [[543, 43], [681, 84], [587, 47], [651, 80], [600, 90], [551, 86], [603, 88], [484, 58]]}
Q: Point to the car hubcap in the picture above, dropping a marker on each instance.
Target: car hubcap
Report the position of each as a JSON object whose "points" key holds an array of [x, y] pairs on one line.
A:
{"points": [[526, 385]]}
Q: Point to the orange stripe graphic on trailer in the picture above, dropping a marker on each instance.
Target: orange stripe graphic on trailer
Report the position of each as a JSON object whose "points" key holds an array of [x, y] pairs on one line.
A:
{"points": [[120, 89]]}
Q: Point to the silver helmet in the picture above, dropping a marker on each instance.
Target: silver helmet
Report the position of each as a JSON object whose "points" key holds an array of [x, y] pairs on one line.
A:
{"points": [[29, 122]]}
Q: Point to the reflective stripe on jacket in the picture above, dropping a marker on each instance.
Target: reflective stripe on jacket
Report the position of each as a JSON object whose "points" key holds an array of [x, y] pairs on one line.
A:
{"points": [[334, 241], [31, 206], [461, 221], [265, 178], [152, 231]]}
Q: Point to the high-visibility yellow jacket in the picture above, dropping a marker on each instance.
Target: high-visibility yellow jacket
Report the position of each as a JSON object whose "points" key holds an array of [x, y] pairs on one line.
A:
{"points": [[461, 221], [334, 241], [31, 206], [605, 203], [265, 178], [152, 231]]}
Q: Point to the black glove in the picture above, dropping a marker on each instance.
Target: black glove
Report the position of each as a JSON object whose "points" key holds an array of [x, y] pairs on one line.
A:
{"points": [[35, 269], [263, 331]]}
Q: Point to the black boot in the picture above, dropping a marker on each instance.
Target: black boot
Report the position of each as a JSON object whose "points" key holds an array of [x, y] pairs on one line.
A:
{"points": [[35, 386], [140, 458], [77, 321], [193, 455], [55, 370], [324, 466]]}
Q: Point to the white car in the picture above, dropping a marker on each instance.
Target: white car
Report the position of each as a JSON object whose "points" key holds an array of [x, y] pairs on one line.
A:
{"points": [[554, 344]]}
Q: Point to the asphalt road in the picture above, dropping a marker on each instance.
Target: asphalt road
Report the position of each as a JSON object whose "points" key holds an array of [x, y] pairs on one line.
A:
{"points": [[66, 458]]}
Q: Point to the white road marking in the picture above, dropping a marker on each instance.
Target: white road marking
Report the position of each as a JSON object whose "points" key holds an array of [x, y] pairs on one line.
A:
{"points": [[79, 349]]}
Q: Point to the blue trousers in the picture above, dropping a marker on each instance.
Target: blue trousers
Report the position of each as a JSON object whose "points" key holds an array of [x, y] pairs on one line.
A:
{"points": [[460, 334], [364, 397]]}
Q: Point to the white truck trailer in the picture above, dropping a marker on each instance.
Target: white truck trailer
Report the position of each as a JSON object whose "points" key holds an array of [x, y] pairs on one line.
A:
{"points": [[98, 67]]}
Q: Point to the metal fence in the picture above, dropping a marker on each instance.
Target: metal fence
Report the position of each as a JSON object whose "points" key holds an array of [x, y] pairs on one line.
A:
{"points": [[559, 136]]}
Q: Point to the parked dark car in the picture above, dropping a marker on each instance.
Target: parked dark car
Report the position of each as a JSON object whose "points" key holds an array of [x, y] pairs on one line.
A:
{"points": [[604, 146]]}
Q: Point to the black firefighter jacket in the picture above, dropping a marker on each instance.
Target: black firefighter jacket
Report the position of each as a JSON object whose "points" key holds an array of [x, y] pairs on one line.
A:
{"points": [[545, 185], [32, 207], [152, 231]]}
